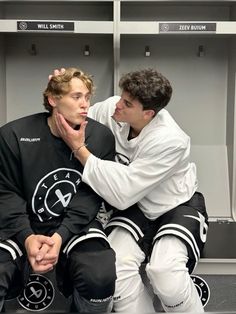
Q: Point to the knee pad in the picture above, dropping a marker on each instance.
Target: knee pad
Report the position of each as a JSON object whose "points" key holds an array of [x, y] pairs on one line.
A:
{"points": [[94, 274], [82, 305], [175, 289], [170, 285], [160, 279]]}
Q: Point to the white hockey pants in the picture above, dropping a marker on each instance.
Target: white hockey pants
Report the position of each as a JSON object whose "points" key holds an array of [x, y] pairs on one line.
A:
{"points": [[167, 272]]}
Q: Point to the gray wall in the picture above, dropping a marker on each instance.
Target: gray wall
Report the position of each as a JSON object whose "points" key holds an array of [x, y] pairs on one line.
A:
{"points": [[27, 75]]}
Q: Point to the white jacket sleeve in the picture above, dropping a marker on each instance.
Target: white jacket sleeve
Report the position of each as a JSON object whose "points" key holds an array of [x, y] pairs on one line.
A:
{"points": [[123, 186]]}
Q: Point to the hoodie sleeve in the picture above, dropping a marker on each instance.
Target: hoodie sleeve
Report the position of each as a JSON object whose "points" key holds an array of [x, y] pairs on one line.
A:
{"points": [[13, 206], [121, 185]]}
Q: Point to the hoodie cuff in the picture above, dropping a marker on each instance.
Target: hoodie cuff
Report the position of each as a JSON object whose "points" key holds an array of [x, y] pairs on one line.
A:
{"points": [[23, 235], [65, 233]]}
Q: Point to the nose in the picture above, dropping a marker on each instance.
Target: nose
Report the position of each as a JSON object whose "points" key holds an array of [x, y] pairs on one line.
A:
{"points": [[85, 103], [119, 104]]}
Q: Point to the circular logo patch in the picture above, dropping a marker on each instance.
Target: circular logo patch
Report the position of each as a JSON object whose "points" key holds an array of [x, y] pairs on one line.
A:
{"points": [[165, 27], [23, 25], [54, 192], [202, 288], [38, 293]]}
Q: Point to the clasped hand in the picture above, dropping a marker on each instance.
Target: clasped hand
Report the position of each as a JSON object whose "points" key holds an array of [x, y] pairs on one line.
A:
{"points": [[43, 251]]}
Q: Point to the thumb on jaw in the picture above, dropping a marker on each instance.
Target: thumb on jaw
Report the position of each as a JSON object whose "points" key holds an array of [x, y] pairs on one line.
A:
{"points": [[83, 125]]}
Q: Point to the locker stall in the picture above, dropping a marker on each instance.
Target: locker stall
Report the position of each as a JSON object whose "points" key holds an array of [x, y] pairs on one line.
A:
{"points": [[39, 36], [193, 43]]}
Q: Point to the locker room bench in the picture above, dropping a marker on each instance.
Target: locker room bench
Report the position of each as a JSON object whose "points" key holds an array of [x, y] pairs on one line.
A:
{"points": [[220, 249], [215, 274], [217, 266]]}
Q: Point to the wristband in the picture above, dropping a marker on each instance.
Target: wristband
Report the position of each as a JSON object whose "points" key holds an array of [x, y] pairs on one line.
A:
{"points": [[76, 150]]}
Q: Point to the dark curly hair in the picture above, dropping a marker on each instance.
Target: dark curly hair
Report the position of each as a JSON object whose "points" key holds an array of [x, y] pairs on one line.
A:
{"points": [[59, 85], [149, 87]]}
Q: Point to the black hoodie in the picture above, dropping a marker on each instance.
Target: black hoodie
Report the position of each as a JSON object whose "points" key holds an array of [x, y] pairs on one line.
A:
{"points": [[40, 185]]}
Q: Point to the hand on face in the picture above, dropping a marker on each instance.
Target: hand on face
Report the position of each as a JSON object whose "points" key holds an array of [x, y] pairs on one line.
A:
{"points": [[73, 138]]}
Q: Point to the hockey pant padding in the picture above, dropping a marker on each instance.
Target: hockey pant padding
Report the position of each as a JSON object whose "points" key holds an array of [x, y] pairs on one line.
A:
{"points": [[11, 276], [94, 278], [7, 271], [170, 278], [131, 295]]}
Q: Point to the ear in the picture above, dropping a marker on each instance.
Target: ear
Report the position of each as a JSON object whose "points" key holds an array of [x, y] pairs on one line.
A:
{"points": [[52, 101], [149, 114]]}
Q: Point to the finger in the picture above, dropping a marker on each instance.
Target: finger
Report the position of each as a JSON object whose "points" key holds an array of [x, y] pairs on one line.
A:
{"points": [[48, 261], [62, 125], [59, 72], [50, 257], [62, 120], [42, 252], [59, 122], [37, 268], [56, 72], [83, 126], [45, 240]]}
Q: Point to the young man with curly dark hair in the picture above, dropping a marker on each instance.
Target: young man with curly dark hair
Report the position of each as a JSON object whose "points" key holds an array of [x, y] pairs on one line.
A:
{"points": [[160, 216]]}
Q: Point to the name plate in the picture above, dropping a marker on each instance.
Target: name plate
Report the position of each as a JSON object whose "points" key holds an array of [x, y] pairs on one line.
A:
{"points": [[187, 27], [47, 26]]}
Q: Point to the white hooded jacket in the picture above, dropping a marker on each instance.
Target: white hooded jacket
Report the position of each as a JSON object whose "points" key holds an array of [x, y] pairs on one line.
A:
{"points": [[157, 173]]}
